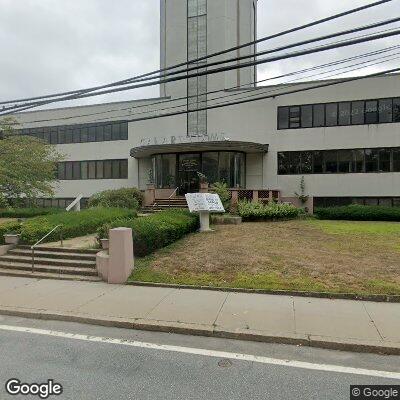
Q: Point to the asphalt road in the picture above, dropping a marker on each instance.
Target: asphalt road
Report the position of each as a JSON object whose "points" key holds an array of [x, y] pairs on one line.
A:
{"points": [[88, 369]]}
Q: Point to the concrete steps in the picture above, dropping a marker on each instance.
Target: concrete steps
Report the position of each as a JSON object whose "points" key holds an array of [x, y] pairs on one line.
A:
{"points": [[50, 263], [165, 204]]}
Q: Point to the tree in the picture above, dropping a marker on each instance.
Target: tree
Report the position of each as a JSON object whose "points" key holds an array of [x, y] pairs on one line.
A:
{"points": [[27, 164]]}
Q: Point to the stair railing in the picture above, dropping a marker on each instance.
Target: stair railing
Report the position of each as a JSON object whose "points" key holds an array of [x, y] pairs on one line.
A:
{"points": [[172, 195], [41, 240]]}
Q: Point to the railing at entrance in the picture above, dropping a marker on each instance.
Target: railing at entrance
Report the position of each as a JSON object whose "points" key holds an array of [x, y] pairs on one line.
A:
{"points": [[172, 195]]}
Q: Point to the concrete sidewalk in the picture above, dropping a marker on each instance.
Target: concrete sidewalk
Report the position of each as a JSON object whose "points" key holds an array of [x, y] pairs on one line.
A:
{"points": [[337, 324]]}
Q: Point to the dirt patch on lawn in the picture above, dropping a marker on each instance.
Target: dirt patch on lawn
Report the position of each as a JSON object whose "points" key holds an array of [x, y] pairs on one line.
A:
{"points": [[298, 255]]}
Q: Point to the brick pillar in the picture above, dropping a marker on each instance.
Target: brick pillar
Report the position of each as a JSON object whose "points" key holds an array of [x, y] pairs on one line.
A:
{"points": [[203, 187], [149, 195], [255, 196], [234, 198]]}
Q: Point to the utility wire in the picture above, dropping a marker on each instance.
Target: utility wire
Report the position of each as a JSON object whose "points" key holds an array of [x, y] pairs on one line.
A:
{"points": [[160, 71], [221, 69]]}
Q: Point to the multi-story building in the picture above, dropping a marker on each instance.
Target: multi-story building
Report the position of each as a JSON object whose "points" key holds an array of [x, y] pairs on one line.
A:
{"points": [[344, 138]]}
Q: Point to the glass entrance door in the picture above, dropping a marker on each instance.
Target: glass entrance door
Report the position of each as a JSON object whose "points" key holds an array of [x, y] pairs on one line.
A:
{"points": [[189, 165]]}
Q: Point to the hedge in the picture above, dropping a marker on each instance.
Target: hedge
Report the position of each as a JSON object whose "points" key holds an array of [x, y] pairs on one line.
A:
{"points": [[74, 223], [27, 212], [125, 198], [272, 211], [155, 231], [359, 213], [9, 227]]}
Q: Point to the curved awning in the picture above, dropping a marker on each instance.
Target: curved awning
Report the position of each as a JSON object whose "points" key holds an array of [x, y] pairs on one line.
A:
{"points": [[227, 145]]}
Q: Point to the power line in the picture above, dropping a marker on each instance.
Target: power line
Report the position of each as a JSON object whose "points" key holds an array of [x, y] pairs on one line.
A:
{"points": [[276, 35], [321, 66], [222, 69]]}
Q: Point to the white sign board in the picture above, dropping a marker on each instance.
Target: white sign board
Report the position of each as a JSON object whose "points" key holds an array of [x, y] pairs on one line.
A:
{"points": [[198, 202]]}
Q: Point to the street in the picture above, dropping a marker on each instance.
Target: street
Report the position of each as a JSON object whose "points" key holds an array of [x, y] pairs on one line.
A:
{"points": [[93, 362]]}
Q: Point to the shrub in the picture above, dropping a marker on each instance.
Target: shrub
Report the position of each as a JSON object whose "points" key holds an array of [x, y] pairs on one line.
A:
{"points": [[74, 224], [3, 202], [359, 213], [9, 227], [222, 190], [27, 212], [124, 198], [272, 211], [155, 231]]}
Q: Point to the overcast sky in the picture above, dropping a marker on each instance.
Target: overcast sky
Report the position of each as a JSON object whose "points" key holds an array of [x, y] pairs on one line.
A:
{"points": [[55, 45]]}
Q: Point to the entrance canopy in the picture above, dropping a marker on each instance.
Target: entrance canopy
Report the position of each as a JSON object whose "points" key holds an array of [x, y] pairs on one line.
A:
{"points": [[227, 145]]}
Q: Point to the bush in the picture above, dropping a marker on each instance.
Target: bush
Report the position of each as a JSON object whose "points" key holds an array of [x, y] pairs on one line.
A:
{"points": [[131, 198], [9, 227], [27, 212], [74, 224], [3, 202], [272, 211], [155, 231], [359, 213], [222, 190]]}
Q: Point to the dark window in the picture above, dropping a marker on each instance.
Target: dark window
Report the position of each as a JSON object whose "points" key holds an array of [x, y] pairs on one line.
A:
{"points": [[371, 112], [371, 160], [76, 170], [46, 135], [319, 115], [330, 161], [100, 133], [384, 160], [115, 169], [345, 161], [344, 113], [124, 169], [92, 134], [332, 114], [318, 162], [295, 162], [396, 159], [396, 110], [92, 169], [306, 117], [115, 131], [68, 170], [357, 112], [283, 163], [358, 160], [99, 170], [107, 169], [84, 170], [76, 134], [61, 135], [61, 171], [107, 132], [68, 135], [283, 117], [124, 131], [306, 162], [84, 134], [54, 136], [385, 110], [294, 117]]}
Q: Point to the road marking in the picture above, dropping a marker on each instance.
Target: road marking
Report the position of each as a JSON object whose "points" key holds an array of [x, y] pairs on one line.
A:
{"points": [[207, 353]]}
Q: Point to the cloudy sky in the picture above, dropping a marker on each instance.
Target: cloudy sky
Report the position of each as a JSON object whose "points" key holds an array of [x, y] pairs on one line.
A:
{"points": [[55, 45]]}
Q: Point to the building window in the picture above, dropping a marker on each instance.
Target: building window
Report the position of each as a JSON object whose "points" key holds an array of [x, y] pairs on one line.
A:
{"points": [[95, 169], [358, 112], [339, 161], [80, 133], [322, 202]]}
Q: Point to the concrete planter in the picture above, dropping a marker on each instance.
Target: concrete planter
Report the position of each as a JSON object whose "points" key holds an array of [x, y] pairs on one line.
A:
{"points": [[11, 238], [105, 244], [226, 220]]}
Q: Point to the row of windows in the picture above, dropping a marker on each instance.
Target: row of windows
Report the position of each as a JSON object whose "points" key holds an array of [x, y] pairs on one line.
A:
{"points": [[364, 201], [59, 202], [339, 161], [80, 133], [99, 169], [339, 114]]}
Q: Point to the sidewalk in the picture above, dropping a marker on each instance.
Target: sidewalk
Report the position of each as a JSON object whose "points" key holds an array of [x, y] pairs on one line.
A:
{"points": [[337, 324]]}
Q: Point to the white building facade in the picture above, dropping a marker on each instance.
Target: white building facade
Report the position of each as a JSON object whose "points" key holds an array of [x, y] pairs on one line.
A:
{"points": [[344, 139]]}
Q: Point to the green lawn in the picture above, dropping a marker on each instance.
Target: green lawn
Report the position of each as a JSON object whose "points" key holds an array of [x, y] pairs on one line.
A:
{"points": [[305, 255]]}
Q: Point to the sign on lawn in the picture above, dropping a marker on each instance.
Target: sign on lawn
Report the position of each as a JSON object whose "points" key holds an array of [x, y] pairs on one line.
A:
{"points": [[204, 202]]}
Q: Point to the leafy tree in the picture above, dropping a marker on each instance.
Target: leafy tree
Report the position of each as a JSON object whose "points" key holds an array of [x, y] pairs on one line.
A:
{"points": [[27, 164]]}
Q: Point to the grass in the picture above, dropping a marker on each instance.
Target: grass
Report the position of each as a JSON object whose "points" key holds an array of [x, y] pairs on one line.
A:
{"points": [[304, 255], [5, 220]]}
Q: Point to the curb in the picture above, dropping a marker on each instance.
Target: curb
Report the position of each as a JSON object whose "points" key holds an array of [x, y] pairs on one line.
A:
{"points": [[186, 329], [381, 298]]}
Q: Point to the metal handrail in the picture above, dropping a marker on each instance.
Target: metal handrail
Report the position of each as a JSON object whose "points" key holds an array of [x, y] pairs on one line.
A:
{"points": [[172, 195], [41, 240]]}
